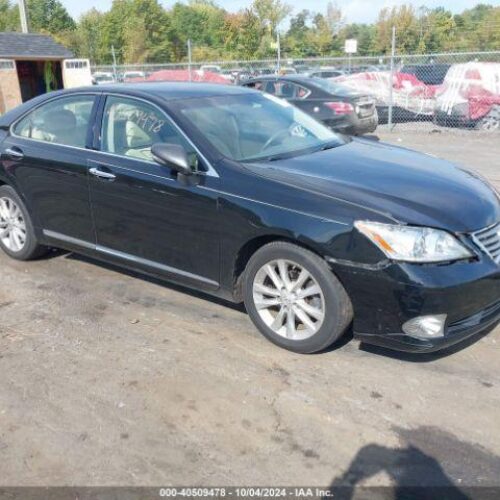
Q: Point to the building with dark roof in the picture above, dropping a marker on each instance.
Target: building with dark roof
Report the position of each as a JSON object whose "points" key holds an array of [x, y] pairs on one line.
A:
{"points": [[31, 46], [32, 64]]}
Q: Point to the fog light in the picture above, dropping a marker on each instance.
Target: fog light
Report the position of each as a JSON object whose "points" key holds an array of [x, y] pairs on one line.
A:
{"points": [[426, 327]]}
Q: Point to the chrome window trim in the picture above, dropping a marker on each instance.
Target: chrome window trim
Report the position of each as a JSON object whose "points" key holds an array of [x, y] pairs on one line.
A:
{"points": [[128, 257], [211, 172]]}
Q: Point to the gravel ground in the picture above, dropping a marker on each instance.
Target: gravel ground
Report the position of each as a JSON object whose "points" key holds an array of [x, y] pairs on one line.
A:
{"points": [[112, 379]]}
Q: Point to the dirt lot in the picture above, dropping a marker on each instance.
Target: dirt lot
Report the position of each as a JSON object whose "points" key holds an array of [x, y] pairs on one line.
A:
{"points": [[112, 379]]}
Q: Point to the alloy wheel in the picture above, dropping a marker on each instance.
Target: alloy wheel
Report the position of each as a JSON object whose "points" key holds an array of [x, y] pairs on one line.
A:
{"points": [[12, 225], [289, 299], [491, 122]]}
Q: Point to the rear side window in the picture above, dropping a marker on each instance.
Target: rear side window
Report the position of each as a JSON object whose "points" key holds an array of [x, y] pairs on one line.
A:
{"points": [[286, 90], [63, 121]]}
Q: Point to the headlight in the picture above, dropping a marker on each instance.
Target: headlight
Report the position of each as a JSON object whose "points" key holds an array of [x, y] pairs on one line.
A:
{"points": [[413, 244]]}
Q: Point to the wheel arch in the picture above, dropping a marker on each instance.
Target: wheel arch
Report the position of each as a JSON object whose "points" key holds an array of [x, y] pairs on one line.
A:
{"points": [[253, 245], [5, 181]]}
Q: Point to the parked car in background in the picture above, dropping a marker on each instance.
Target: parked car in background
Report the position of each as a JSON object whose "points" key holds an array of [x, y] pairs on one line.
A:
{"points": [[264, 71], [413, 100], [430, 74], [228, 74], [102, 78], [241, 195], [325, 72], [338, 107], [302, 68], [287, 70], [184, 75], [353, 69], [133, 75], [470, 97], [211, 68], [242, 75]]}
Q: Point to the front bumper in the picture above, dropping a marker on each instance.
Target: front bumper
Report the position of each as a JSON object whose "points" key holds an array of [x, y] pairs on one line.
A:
{"points": [[384, 299]]}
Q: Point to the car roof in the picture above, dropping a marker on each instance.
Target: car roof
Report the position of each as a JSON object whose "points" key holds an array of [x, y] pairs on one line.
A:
{"points": [[168, 90]]}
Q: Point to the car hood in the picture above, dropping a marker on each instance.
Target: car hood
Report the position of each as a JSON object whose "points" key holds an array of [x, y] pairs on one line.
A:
{"points": [[394, 182]]}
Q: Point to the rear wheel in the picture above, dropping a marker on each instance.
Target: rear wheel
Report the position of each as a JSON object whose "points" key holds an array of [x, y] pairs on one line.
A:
{"points": [[490, 122], [294, 299], [17, 237]]}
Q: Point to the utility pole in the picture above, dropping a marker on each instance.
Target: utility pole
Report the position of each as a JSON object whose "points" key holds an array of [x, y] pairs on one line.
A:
{"points": [[189, 59], [391, 78], [114, 62], [24, 16], [278, 46]]}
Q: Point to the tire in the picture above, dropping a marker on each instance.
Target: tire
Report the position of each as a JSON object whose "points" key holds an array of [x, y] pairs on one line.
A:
{"points": [[490, 122], [277, 306], [17, 237]]}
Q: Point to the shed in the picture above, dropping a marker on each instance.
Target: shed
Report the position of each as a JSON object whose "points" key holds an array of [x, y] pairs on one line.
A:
{"points": [[30, 65]]}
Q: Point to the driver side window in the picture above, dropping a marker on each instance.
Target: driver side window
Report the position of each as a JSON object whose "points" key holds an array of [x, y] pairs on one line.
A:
{"points": [[130, 127]]}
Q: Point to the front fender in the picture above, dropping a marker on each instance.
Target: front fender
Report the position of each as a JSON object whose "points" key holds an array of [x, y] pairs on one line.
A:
{"points": [[244, 220]]}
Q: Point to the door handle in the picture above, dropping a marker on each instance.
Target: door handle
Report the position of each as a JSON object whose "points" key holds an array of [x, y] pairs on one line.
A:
{"points": [[14, 153], [102, 174]]}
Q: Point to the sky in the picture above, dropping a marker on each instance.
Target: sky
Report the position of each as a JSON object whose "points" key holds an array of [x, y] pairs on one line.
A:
{"points": [[358, 11]]}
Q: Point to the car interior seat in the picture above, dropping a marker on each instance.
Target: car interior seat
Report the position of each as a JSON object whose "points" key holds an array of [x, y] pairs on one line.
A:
{"points": [[61, 125]]}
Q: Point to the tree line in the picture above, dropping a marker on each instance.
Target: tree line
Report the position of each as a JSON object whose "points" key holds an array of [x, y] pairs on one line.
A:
{"points": [[144, 31]]}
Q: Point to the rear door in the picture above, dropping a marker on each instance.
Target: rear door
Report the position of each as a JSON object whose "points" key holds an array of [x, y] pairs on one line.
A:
{"points": [[144, 214], [47, 153]]}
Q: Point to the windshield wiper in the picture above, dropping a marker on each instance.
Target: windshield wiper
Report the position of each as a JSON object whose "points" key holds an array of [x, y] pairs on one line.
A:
{"points": [[291, 154], [282, 156], [329, 145]]}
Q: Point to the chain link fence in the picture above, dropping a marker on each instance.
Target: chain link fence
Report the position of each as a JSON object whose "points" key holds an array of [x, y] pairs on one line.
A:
{"points": [[458, 90]]}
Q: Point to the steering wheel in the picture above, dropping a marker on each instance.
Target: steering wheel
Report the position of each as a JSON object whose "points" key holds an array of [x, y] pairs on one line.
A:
{"points": [[274, 138]]}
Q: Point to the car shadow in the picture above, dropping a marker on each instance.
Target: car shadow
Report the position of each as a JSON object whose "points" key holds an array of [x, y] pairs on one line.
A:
{"points": [[342, 342], [419, 468], [53, 253], [156, 281], [425, 357]]}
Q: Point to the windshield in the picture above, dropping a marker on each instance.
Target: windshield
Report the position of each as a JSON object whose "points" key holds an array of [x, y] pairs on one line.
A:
{"points": [[256, 126]]}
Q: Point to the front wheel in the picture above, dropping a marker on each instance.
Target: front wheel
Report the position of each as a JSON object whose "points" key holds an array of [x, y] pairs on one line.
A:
{"points": [[294, 299], [17, 237]]}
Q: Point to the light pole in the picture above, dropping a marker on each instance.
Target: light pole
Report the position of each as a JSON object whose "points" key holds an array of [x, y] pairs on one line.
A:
{"points": [[23, 15]]}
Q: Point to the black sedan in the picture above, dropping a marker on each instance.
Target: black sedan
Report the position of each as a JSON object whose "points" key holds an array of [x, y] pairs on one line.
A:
{"points": [[241, 195], [337, 106]]}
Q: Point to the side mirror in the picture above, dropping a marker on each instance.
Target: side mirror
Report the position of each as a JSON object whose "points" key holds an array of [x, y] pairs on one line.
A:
{"points": [[172, 156]]}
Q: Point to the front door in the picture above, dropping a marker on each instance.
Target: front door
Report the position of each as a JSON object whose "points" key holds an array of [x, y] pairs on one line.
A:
{"points": [[144, 214]]}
